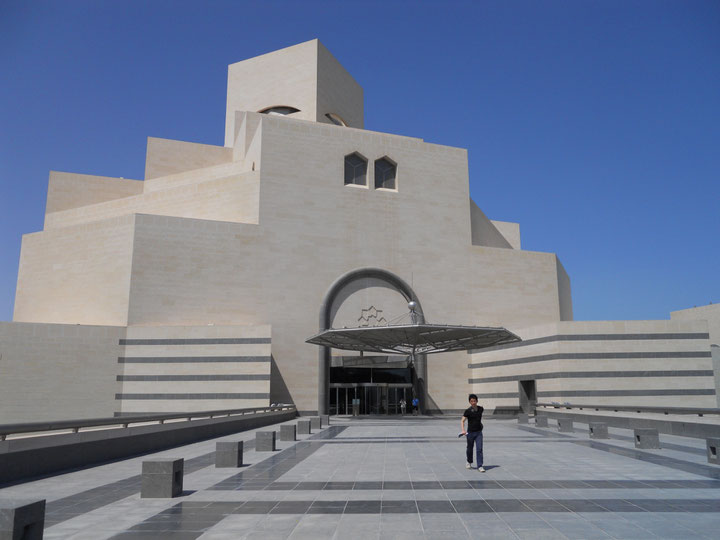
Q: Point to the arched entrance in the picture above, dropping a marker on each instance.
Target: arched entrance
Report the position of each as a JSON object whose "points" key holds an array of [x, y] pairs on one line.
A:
{"points": [[341, 285]]}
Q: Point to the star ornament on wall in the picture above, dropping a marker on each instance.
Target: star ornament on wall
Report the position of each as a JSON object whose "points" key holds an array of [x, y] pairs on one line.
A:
{"points": [[371, 317]]}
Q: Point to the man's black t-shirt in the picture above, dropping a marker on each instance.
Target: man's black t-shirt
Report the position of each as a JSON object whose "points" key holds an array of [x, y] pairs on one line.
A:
{"points": [[474, 418]]}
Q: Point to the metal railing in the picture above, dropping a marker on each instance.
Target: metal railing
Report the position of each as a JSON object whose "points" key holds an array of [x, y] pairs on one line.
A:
{"points": [[633, 408], [116, 422]]}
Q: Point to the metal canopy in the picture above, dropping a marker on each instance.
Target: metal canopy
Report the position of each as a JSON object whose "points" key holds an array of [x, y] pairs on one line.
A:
{"points": [[413, 339]]}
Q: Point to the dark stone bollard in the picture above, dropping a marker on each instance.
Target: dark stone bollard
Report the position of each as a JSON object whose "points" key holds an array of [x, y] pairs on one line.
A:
{"points": [[229, 454], [565, 425], [599, 430], [315, 422], [713, 451], [287, 432], [265, 441], [647, 438], [303, 427], [325, 419], [162, 478], [22, 519], [523, 418], [541, 421]]}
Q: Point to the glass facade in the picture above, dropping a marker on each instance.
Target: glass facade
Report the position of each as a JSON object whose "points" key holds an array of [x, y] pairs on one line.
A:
{"points": [[349, 375]]}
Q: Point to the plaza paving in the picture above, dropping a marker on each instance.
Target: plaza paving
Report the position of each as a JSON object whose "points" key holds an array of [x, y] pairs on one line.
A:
{"points": [[402, 478]]}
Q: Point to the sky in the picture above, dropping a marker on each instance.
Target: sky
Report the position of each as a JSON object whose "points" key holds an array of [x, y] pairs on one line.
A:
{"points": [[593, 124]]}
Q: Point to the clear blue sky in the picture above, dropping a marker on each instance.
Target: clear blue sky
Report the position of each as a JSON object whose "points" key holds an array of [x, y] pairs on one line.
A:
{"points": [[594, 124]]}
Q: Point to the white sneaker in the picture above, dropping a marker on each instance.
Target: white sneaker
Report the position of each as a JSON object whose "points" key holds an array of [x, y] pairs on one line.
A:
{"points": [[481, 469], [468, 465]]}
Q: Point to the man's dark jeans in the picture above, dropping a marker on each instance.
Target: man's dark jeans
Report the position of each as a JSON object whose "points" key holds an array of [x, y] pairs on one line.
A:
{"points": [[475, 437]]}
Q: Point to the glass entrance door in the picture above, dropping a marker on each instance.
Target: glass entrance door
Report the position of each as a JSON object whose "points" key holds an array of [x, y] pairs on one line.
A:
{"points": [[341, 399], [395, 394], [375, 398]]}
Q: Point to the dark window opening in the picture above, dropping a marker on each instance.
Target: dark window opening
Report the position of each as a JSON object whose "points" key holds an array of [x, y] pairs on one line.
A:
{"points": [[385, 173], [280, 111], [335, 119], [355, 169]]}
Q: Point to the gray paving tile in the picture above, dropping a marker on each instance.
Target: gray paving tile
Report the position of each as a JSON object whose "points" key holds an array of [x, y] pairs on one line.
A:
{"points": [[446, 535], [442, 522], [400, 523]]}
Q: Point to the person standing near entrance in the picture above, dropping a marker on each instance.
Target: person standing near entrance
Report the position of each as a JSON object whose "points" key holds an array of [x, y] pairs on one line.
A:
{"points": [[473, 434], [415, 404], [403, 404]]}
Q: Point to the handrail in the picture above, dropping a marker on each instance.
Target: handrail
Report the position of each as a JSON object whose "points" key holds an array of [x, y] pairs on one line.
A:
{"points": [[124, 421], [636, 408]]}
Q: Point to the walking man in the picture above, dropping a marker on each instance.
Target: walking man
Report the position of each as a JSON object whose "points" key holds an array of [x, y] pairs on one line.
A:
{"points": [[473, 434], [415, 406]]}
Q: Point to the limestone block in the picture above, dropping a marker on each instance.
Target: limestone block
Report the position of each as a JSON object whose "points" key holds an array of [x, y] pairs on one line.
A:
{"points": [[325, 419], [22, 518], [303, 427], [229, 454], [162, 478], [647, 438], [541, 421], [265, 441], [523, 418], [315, 422], [713, 451], [287, 432], [565, 425], [598, 430]]}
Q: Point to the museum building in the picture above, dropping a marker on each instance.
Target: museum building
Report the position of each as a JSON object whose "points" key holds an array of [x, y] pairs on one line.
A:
{"points": [[197, 287]]}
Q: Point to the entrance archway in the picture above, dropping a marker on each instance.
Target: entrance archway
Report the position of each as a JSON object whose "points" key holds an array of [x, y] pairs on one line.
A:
{"points": [[399, 285]]}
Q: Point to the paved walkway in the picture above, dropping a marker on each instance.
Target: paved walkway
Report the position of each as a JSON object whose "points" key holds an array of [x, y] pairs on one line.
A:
{"points": [[403, 478]]}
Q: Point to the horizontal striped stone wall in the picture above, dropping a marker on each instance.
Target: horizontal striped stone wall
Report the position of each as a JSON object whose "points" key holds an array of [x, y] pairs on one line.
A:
{"points": [[193, 368], [651, 363]]}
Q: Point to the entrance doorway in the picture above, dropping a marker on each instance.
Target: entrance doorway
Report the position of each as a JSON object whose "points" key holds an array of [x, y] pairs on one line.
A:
{"points": [[373, 398], [528, 396], [376, 383]]}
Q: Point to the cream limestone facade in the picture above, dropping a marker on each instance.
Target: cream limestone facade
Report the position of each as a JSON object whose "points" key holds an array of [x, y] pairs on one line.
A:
{"points": [[211, 271]]}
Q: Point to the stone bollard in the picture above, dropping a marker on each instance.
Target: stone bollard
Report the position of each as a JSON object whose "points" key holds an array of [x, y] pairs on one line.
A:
{"points": [[315, 422], [599, 430], [303, 427], [162, 478], [523, 418], [541, 421], [22, 518], [565, 425], [647, 438], [713, 451], [229, 454], [287, 432], [325, 419], [265, 441]]}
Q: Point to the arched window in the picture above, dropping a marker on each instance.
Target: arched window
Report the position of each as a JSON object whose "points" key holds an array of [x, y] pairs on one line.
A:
{"points": [[283, 110], [355, 169], [385, 171]]}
